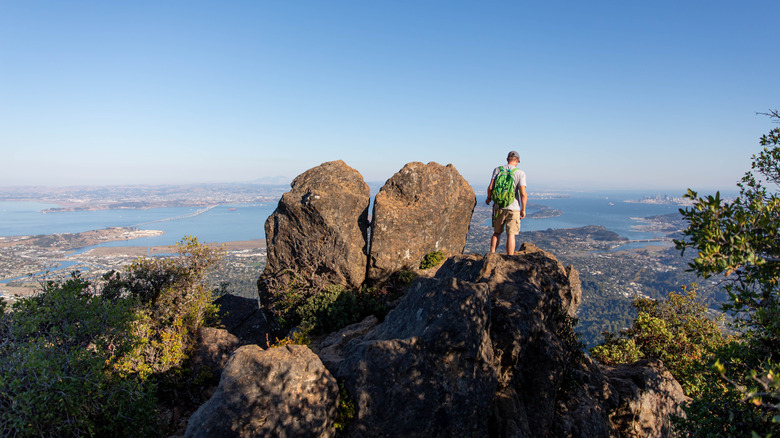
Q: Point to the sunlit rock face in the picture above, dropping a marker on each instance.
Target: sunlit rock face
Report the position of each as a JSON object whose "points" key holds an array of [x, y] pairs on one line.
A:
{"points": [[421, 209], [317, 235]]}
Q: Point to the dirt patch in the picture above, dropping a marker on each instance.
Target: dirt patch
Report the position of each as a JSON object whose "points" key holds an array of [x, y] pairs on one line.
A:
{"points": [[11, 291], [244, 244]]}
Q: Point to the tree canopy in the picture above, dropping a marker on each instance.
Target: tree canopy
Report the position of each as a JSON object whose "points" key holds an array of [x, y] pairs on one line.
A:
{"points": [[734, 382], [739, 240]]}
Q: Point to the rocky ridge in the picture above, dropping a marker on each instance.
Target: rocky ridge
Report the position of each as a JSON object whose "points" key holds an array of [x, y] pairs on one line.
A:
{"points": [[483, 346], [318, 234]]}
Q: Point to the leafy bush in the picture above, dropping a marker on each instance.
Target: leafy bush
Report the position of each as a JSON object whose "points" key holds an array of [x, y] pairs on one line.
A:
{"points": [[299, 304], [346, 410], [56, 360], [80, 359], [616, 350], [287, 299], [432, 259], [337, 307], [740, 240], [331, 309], [675, 330], [174, 304], [404, 277]]}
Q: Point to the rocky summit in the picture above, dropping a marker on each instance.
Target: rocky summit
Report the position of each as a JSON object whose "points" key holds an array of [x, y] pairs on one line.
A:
{"points": [[485, 349], [482, 346], [318, 234]]}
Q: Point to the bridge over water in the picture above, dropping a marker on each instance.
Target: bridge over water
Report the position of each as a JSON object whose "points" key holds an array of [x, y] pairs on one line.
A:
{"points": [[660, 239], [175, 218]]}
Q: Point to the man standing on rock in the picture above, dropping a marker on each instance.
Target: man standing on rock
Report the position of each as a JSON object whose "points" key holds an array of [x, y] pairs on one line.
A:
{"points": [[510, 208]]}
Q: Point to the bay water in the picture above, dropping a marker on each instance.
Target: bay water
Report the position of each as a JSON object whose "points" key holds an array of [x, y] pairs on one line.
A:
{"points": [[239, 222]]}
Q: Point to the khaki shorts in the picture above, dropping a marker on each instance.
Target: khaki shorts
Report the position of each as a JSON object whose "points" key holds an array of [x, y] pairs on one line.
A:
{"points": [[506, 218]]}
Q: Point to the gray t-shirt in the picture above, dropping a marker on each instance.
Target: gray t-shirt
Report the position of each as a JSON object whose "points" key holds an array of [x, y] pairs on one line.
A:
{"points": [[519, 177]]}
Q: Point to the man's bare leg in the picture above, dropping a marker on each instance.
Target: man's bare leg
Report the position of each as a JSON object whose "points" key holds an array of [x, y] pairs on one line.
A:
{"points": [[494, 242], [510, 244]]}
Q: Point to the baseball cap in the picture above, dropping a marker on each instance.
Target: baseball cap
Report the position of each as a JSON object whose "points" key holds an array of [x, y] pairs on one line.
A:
{"points": [[513, 154]]}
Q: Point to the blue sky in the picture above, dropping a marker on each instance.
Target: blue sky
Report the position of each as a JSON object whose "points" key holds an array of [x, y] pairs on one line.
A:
{"points": [[622, 94]]}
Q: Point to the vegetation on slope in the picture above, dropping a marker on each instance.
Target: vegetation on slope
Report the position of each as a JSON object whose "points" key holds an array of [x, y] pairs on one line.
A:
{"points": [[733, 381], [84, 358]]}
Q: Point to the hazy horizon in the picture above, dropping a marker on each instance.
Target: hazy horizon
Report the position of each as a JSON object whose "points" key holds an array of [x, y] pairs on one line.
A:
{"points": [[375, 185]]}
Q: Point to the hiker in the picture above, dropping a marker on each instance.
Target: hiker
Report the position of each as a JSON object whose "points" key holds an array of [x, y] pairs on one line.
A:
{"points": [[507, 191]]}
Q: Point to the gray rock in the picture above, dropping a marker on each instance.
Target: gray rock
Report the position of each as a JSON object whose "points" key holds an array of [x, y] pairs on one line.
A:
{"points": [[529, 292], [484, 349], [427, 369], [214, 348], [329, 349], [420, 209], [317, 234], [645, 388], [242, 317], [283, 392]]}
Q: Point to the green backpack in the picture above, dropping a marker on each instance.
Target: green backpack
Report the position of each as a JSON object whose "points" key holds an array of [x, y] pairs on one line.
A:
{"points": [[503, 193]]}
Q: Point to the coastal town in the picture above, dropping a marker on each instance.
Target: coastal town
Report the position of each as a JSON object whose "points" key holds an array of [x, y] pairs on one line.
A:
{"points": [[26, 262]]}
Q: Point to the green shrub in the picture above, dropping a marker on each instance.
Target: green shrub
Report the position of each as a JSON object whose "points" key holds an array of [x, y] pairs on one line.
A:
{"points": [[80, 359], [336, 307], [174, 304], [286, 300], [738, 239], [346, 409], [676, 330], [331, 309], [616, 350], [56, 366], [296, 337], [432, 259]]}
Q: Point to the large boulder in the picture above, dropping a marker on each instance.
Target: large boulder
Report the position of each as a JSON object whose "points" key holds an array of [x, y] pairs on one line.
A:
{"points": [[215, 345], [531, 295], [283, 391], [427, 370], [644, 389], [330, 349], [420, 209], [486, 348], [317, 235]]}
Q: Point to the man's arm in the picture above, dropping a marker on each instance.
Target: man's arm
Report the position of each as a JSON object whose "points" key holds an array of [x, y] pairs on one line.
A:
{"points": [[523, 200], [489, 191]]}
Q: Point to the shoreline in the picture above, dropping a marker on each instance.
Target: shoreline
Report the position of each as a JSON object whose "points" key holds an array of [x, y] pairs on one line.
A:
{"points": [[75, 241], [236, 245]]}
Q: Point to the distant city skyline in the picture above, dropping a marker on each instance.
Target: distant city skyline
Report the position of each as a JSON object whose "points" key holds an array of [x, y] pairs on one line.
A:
{"points": [[654, 96]]}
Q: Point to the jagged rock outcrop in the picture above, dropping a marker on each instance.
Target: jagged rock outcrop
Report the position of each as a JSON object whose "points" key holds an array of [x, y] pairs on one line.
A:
{"points": [[242, 318], [427, 370], [531, 294], [330, 349], [484, 349], [420, 209], [317, 234], [283, 391], [215, 346], [644, 389]]}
